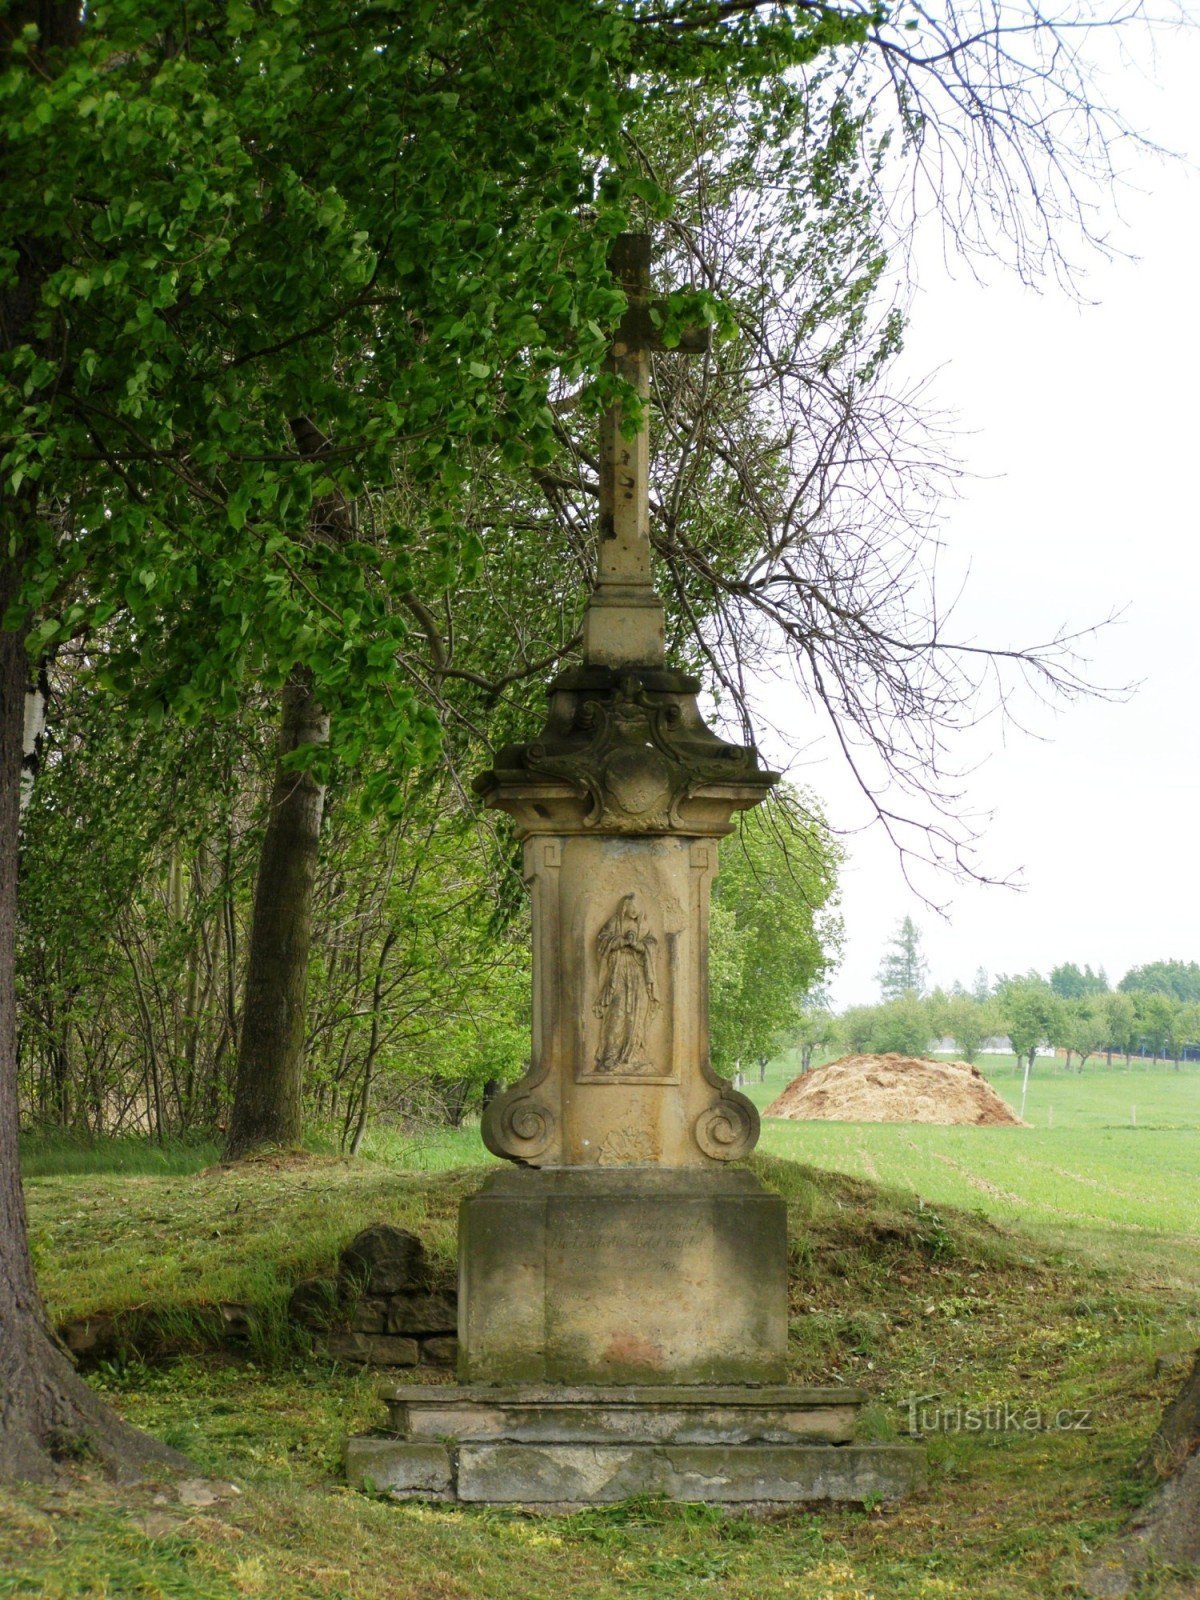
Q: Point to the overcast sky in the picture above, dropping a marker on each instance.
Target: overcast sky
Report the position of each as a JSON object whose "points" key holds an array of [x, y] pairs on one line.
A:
{"points": [[1079, 424]]}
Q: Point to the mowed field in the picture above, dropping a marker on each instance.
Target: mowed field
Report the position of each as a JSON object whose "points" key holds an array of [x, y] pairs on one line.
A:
{"points": [[1110, 1162]]}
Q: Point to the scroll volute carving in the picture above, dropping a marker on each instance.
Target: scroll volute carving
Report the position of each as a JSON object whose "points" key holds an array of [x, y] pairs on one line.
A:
{"points": [[520, 1126], [729, 1127]]}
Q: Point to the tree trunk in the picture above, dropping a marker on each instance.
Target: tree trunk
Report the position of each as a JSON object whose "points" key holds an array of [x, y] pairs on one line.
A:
{"points": [[270, 1064], [372, 1044], [47, 1413], [1166, 1528]]}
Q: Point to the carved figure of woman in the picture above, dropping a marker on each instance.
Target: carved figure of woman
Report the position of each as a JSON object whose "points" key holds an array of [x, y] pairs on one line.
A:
{"points": [[628, 989]]}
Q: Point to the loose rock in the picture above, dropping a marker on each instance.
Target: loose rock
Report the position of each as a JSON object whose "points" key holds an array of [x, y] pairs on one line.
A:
{"points": [[383, 1260]]}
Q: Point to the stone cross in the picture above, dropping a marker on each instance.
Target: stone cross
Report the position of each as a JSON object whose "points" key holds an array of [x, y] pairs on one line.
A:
{"points": [[620, 800], [623, 1292], [624, 621]]}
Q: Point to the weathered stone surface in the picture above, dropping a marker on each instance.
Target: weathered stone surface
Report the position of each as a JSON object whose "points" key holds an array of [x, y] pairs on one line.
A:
{"points": [[406, 1469], [389, 1350], [372, 1349], [384, 1260], [422, 1313], [89, 1336], [236, 1319], [345, 1347], [765, 1474], [620, 799], [686, 1414], [623, 1276], [621, 1073], [314, 1302], [369, 1314], [440, 1351]]}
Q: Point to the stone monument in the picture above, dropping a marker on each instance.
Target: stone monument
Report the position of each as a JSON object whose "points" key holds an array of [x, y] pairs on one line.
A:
{"points": [[623, 1288]]}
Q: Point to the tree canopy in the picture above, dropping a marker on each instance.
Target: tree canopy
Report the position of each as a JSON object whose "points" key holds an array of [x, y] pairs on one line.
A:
{"points": [[1072, 982], [775, 929], [258, 274], [1179, 979], [903, 970]]}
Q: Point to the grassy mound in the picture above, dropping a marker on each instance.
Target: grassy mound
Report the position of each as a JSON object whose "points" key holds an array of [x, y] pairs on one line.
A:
{"points": [[887, 1292]]}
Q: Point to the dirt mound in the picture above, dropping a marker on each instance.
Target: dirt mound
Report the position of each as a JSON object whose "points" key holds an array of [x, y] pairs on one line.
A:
{"points": [[894, 1088]]}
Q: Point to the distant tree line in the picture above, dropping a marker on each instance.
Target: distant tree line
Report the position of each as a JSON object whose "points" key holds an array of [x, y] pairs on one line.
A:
{"points": [[1153, 1013]]}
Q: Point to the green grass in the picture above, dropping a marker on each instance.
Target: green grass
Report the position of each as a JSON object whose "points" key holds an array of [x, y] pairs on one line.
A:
{"points": [[1044, 1266], [60, 1154], [889, 1291], [53, 1154], [246, 1234], [1088, 1178], [434, 1150]]}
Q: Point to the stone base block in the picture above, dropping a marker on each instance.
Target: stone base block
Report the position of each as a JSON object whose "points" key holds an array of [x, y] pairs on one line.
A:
{"points": [[559, 1448], [409, 1469], [623, 1275], [758, 1474], [564, 1476], [699, 1414]]}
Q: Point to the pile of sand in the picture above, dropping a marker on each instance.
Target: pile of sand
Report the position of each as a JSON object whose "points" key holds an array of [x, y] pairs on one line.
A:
{"points": [[894, 1088]]}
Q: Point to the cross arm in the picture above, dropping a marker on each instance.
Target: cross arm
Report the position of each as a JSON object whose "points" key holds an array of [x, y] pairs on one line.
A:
{"points": [[629, 263]]}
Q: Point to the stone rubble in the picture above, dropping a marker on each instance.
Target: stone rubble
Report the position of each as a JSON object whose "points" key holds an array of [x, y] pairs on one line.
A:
{"points": [[384, 1308]]}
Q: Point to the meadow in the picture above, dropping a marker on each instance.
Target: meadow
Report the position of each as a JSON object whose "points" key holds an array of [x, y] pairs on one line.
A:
{"points": [[1053, 1266], [1109, 1166]]}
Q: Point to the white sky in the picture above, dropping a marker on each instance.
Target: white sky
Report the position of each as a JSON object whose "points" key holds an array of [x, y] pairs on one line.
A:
{"points": [[1080, 426]]}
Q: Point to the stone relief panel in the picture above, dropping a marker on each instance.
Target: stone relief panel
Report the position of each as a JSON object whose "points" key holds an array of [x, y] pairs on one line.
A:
{"points": [[626, 1147], [629, 991], [627, 959]]}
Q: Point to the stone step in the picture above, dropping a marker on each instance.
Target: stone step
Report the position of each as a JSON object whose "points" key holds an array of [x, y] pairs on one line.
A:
{"points": [[566, 1476], [685, 1414]]}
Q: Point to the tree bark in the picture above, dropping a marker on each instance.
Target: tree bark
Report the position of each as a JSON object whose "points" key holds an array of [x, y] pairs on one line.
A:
{"points": [[372, 1044], [47, 1413], [1166, 1528], [270, 1064]]}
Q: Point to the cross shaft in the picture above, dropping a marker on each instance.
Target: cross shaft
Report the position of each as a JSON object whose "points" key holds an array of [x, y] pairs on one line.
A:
{"points": [[623, 625]]}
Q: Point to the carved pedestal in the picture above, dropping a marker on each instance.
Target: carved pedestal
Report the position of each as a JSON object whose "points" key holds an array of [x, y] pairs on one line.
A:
{"points": [[620, 803], [620, 1049], [625, 1269], [623, 1291], [613, 1276]]}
